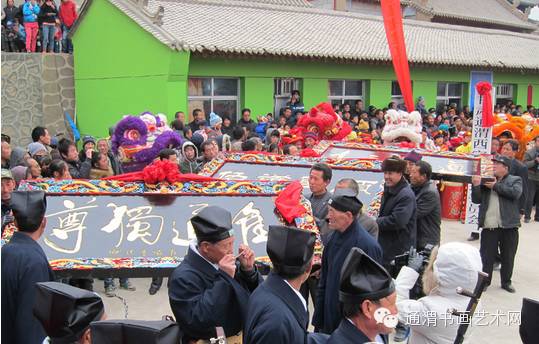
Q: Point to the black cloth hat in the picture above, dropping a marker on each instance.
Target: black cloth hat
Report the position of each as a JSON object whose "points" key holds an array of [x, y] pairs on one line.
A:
{"points": [[362, 278], [503, 159], [529, 320], [65, 312], [28, 209], [346, 200], [212, 224], [135, 331], [290, 249], [394, 164]]}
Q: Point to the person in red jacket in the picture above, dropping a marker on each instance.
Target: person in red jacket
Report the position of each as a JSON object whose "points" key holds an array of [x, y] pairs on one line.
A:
{"points": [[68, 15]]}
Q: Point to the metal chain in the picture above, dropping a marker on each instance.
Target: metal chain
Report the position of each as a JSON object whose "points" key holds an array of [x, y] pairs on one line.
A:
{"points": [[124, 302]]}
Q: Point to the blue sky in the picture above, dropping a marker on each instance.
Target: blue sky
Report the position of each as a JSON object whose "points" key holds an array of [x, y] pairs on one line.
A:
{"points": [[534, 14]]}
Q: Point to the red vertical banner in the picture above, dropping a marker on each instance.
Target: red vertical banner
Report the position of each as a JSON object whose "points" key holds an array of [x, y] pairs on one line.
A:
{"points": [[530, 95], [391, 11]]}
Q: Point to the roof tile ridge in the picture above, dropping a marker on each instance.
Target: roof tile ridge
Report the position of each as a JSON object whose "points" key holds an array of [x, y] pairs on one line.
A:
{"points": [[136, 10], [464, 28]]}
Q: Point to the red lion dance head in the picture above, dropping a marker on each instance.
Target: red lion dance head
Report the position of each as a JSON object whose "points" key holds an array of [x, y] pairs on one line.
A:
{"points": [[325, 123]]}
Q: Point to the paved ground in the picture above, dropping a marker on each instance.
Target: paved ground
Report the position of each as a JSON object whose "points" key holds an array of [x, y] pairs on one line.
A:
{"points": [[525, 279]]}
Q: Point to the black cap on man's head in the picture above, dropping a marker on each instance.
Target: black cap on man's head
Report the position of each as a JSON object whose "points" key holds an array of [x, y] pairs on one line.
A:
{"points": [[212, 224], [362, 278], [28, 209], [346, 200], [65, 312], [290, 249]]}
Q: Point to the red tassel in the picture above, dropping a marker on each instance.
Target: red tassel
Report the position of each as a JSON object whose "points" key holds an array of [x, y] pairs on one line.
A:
{"points": [[391, 11], [484, 89]]}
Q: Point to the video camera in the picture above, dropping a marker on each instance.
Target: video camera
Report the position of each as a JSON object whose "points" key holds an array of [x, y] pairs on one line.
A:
{"points": [[402, 260]]}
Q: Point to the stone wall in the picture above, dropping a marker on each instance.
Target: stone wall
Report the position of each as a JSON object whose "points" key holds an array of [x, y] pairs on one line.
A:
{"points": [[36, 90]]}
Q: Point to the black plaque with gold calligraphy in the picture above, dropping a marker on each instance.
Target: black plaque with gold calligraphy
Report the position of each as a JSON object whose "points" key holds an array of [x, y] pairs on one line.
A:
{"points": [[449, 168], [370, 183], [138, 236]]}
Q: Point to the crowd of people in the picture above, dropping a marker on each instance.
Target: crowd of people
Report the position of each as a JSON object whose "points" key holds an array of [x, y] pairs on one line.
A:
{"points": [[215, 288], [38, 26], [359, 293]]}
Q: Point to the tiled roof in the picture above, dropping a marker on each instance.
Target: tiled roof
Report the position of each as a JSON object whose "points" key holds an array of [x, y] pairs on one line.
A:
{"points": [[261, 27], [487, 11]]}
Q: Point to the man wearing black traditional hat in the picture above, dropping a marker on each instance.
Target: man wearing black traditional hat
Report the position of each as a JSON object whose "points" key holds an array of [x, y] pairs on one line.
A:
{"points": [[344, 206], [66, 312], [209, 289], [368, 297], [23, 265], [277, 311], [135, 331], [397, 216]]}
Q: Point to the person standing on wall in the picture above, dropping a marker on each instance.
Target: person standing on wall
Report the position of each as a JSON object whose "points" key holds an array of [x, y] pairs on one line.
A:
{"points": [[30, 12], [48, 14], [68, 15]]}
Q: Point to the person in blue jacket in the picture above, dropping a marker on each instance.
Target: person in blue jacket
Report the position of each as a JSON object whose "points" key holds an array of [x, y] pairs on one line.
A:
{"points": [[344, 206], [30, 11], [211, 287]]}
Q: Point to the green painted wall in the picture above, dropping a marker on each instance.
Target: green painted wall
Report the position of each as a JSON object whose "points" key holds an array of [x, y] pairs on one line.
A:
{"points": [[426, 89], [314, 77], [315, 91], [122, 69], [520, 88], [253, 95], [380, 92]]}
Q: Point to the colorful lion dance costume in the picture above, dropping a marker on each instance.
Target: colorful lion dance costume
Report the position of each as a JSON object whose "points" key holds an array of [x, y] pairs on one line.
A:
{"points": [[324, 122], [139, 139], [521, 128], [402, 128]]}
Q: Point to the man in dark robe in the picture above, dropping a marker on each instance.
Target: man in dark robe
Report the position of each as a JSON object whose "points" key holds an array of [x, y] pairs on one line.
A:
{"points": [[23, 265], [209, 289], [277, 311], [368, 297], [66, 312], [344, 206]]}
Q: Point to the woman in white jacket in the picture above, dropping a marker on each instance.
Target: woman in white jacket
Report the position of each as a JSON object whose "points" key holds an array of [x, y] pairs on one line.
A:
{"points": [[451, 265]]}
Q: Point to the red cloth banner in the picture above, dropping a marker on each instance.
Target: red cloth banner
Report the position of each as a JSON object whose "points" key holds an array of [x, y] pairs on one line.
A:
{"points": [[288, 203], [484, 89], [391, 11], [530, 95]]}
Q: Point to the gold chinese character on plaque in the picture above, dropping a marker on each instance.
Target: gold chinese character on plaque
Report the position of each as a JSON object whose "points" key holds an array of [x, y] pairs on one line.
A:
{"points": [[68, 226], [232, 175], [250, 219], [139, 221]]}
